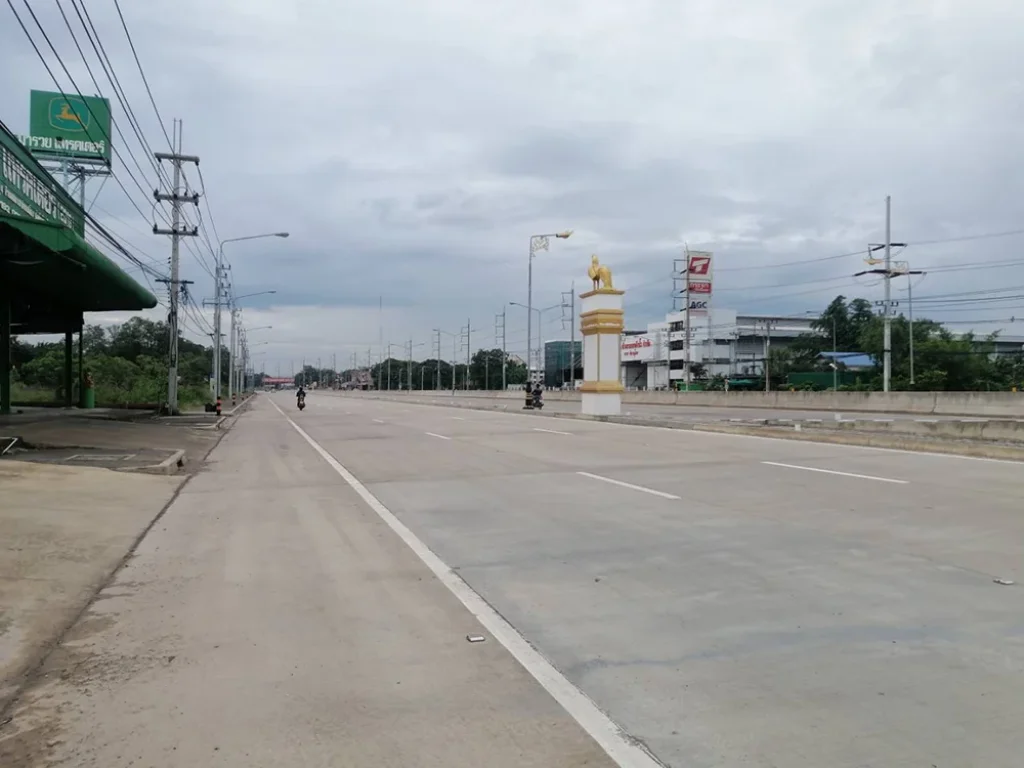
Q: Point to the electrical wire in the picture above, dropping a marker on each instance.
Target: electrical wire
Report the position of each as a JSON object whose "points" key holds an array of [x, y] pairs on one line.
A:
{"points": [[142, 73], [114, 82]]}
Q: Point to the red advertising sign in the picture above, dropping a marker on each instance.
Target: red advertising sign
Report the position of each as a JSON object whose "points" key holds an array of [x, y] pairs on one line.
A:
{"points": [[700, 264], [699, 276]]}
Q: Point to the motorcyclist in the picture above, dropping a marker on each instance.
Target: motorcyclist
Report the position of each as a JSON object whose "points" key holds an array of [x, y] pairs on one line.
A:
{"points": [[300, 394]]}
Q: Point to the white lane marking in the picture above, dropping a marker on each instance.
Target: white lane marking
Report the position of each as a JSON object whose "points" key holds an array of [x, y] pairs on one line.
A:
{"points": [[434, 434], [551, 431], [379, 421], [629, 485], [834, 472], [458, 418], [612, 739]]}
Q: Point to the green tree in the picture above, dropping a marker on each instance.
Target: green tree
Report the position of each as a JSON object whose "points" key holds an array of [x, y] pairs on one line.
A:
{"points": [[485, 369]]}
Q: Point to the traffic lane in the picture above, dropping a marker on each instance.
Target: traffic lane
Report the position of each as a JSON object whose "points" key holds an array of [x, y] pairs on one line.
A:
{"points": [[271, 617], [716, 631], [982, 478]]}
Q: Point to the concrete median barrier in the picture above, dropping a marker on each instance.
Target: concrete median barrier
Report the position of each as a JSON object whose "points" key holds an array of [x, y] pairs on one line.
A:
{"points": [[1002, 405]]}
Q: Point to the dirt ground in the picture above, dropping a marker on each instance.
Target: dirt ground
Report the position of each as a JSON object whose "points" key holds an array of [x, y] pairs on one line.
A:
{"points": [[64, 531]]}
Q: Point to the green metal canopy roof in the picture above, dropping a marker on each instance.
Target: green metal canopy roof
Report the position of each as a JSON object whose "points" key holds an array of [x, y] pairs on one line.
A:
{"points": [[50, 260], [46, 266]]}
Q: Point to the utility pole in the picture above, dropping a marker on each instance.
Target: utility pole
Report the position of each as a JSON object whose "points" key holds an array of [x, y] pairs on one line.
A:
{"points": [[232, 351], [572, 335], [499, 333], [409, 372], [465, 340], [887, 303], [571, 320], [887, 333], [176, 232], [686, 346], [438, 384], [767, 348]]}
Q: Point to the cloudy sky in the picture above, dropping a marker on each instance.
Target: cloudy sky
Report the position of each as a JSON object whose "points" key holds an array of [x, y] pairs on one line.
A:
{"points": [[411, 147]]}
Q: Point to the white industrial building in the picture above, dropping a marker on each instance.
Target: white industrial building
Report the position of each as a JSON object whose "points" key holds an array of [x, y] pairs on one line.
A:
{"points": [[722, 341]]}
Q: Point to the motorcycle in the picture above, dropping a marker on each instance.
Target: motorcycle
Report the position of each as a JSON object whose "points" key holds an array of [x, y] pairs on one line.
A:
{"points": [[538, 400], [302, 402]]}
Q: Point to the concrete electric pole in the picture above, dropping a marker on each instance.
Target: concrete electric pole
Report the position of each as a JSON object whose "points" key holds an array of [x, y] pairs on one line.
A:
{"points": [[499, 332], [176, 232]]}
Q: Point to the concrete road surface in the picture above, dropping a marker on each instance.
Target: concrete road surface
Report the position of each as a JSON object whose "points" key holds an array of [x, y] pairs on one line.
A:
{"points": [[725, 600]]}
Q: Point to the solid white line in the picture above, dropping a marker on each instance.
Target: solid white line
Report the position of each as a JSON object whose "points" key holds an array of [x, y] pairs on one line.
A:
{"points": [[629, 485], [379, 421], [551, 431], [612, 739], [458, 418], [434, 434], [834, 472]]}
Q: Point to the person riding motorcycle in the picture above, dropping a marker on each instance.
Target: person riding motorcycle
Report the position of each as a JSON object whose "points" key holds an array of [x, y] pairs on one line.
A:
{"points": [[300, 394]]}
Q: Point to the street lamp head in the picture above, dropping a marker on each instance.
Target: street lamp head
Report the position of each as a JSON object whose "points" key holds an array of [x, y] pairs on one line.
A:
{"points": [[564, 235], [280, 234]]}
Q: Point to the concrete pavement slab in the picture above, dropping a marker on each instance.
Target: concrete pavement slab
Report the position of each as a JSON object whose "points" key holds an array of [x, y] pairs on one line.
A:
{"points": [[771, 616], [273, 619]]}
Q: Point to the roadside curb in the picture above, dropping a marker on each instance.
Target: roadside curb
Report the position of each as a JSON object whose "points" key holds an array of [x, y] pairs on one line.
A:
{"points": [[168, 466]]}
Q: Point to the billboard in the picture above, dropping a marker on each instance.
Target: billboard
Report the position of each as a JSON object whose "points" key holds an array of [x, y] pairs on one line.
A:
{"points": [[699, 280], [65, 126], [636, 349], [29, 192]]}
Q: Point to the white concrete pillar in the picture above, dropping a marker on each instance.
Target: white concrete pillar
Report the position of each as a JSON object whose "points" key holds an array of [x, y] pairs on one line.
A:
{"points": [[601, 321]]}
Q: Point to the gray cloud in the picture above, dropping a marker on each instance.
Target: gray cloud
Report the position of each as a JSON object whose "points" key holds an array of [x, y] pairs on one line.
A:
{"points": [[412, 148]]}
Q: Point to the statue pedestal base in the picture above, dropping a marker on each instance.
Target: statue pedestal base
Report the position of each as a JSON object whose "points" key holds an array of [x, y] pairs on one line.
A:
{"points": [[601, 321]]}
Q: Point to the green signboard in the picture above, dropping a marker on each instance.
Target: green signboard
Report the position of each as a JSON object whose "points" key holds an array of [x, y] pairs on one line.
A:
{"points": [[68, 126], [28, 191]]}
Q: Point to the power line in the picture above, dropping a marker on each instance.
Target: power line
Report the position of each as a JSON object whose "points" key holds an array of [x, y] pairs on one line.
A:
{"points": [[142, 73], [97, 46]]}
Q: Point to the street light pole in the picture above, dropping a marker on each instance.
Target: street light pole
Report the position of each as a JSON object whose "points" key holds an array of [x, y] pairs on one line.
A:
{"points": [[218, 290], [537, 243]]}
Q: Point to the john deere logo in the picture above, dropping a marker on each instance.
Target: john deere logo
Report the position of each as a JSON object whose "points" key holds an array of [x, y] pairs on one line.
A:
{"points": [[70, 115]]}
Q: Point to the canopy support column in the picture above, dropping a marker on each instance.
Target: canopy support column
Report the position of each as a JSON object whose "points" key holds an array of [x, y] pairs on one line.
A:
{"points": [[5, 354], [81, 368], [69, 348]]}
